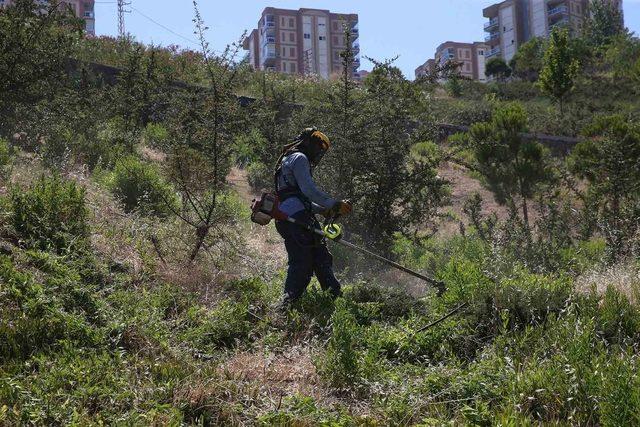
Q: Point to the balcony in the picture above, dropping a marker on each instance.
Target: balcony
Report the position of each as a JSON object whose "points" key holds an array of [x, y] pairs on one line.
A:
{"points": [[492, 24], [269, 21], [88, 14], [492, 36], [558, 10], [493, 52], [268, 40]]}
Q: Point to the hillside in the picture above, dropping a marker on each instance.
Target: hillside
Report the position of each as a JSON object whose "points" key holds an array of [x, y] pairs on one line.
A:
{"points": [[135, 289]]}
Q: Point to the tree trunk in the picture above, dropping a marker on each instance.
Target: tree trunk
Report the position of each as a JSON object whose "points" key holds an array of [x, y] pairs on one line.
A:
{"points": [[201, 234]]}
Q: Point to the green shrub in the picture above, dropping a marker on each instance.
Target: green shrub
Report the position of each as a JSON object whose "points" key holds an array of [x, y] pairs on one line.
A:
{"points": [[39, 314], [156, 135], [5, 153], [381, 302], [249, 146], [140, 186], [51, 215], [339, 366], [259, 176], [222, 327], [618, 321], [57, 148]]}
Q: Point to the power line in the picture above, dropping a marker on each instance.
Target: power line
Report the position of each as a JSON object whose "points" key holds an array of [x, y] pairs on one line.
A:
{"points": [[165, 27]]}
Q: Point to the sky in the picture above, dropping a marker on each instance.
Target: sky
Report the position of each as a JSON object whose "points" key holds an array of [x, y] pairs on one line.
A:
{"points": [[409, 29]]}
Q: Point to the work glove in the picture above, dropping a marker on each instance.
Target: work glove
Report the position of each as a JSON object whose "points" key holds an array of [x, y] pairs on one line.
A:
{"points": [[341, 208]]}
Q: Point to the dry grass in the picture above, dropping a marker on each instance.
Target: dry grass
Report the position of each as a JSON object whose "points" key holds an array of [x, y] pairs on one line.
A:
{"points": [[624, 277], [284, 374]]}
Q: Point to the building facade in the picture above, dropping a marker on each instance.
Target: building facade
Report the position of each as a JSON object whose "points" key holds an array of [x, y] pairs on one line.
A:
{"points": [[84, 9], [425, 68], [470, 56], [304, 41], [513, 22]]}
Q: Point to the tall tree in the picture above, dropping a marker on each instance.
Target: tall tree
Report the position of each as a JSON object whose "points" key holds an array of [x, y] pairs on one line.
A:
{"points": [[609, 159], [604, 21], [204, 129], [527, 62], [35, 42], [498, 68], [510, 166], [560, 68]]}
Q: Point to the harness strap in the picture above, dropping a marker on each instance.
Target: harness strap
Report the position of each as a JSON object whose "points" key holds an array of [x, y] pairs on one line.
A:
{"points": [[290, 190]]}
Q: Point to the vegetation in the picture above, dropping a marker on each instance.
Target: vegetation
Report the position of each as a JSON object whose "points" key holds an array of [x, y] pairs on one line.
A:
{"points": [[560, 68], [135, 291]]}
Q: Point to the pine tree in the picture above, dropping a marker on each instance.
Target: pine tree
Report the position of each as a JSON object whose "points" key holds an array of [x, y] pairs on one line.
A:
{"points": [[510, 166]]}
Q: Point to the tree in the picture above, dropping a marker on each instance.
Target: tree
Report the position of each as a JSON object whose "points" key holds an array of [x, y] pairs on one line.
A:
{"points": [[560, 68], [454, 86], [35, 42], [498, 68], [374, 160], [205, 123], [510, 166], [610, 162], [604, 21], [527, 62]]}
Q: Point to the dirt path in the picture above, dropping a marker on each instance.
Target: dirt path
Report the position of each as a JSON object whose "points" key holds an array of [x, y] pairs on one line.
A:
{"points": [[264, 242]]}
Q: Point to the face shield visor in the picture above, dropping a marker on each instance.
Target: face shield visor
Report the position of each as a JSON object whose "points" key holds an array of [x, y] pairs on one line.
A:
{"points": [[319, 146]]}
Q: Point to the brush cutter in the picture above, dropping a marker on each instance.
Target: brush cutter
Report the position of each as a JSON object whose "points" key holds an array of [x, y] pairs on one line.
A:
{"points": [[266, 208]]}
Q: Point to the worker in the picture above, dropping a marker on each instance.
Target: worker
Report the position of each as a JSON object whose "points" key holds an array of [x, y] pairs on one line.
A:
{"points": [[301, 199]]}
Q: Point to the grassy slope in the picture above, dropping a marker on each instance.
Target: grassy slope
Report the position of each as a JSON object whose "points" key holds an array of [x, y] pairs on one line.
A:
{"points": [[116, 336]]}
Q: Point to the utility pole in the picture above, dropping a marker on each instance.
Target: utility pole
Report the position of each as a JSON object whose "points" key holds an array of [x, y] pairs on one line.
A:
{"points": [[121, 11]]}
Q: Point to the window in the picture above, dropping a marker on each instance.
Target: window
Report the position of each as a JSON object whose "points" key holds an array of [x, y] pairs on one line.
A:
{"points": [[282, 21], [322, 38], [292, 52], [335, 40], [467, 54], [283, 36], [291, 23], [292, 37], [292, 66], [284, 66], [307, 35], [284, 52]]}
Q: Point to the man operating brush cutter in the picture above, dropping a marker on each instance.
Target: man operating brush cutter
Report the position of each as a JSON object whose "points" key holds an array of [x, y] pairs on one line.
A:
{"points": [[294, 205]]}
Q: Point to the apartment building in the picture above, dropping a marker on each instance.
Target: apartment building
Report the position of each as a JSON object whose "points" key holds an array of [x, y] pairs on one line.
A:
{"points": [[304, 41], [513, 22], [82, 8], [425, 68], [470, 56]]}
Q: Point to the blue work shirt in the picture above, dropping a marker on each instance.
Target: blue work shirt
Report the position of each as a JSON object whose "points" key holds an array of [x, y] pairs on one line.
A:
{"points": [[296, 169]]}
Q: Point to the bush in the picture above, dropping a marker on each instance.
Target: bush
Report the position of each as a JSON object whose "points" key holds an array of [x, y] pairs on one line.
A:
{"points": [[156, 135], [51, 215], [38, 314], [259, 176], [223, 327], [56, 150], [140, 186], [5, 152], [339, 366]]}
